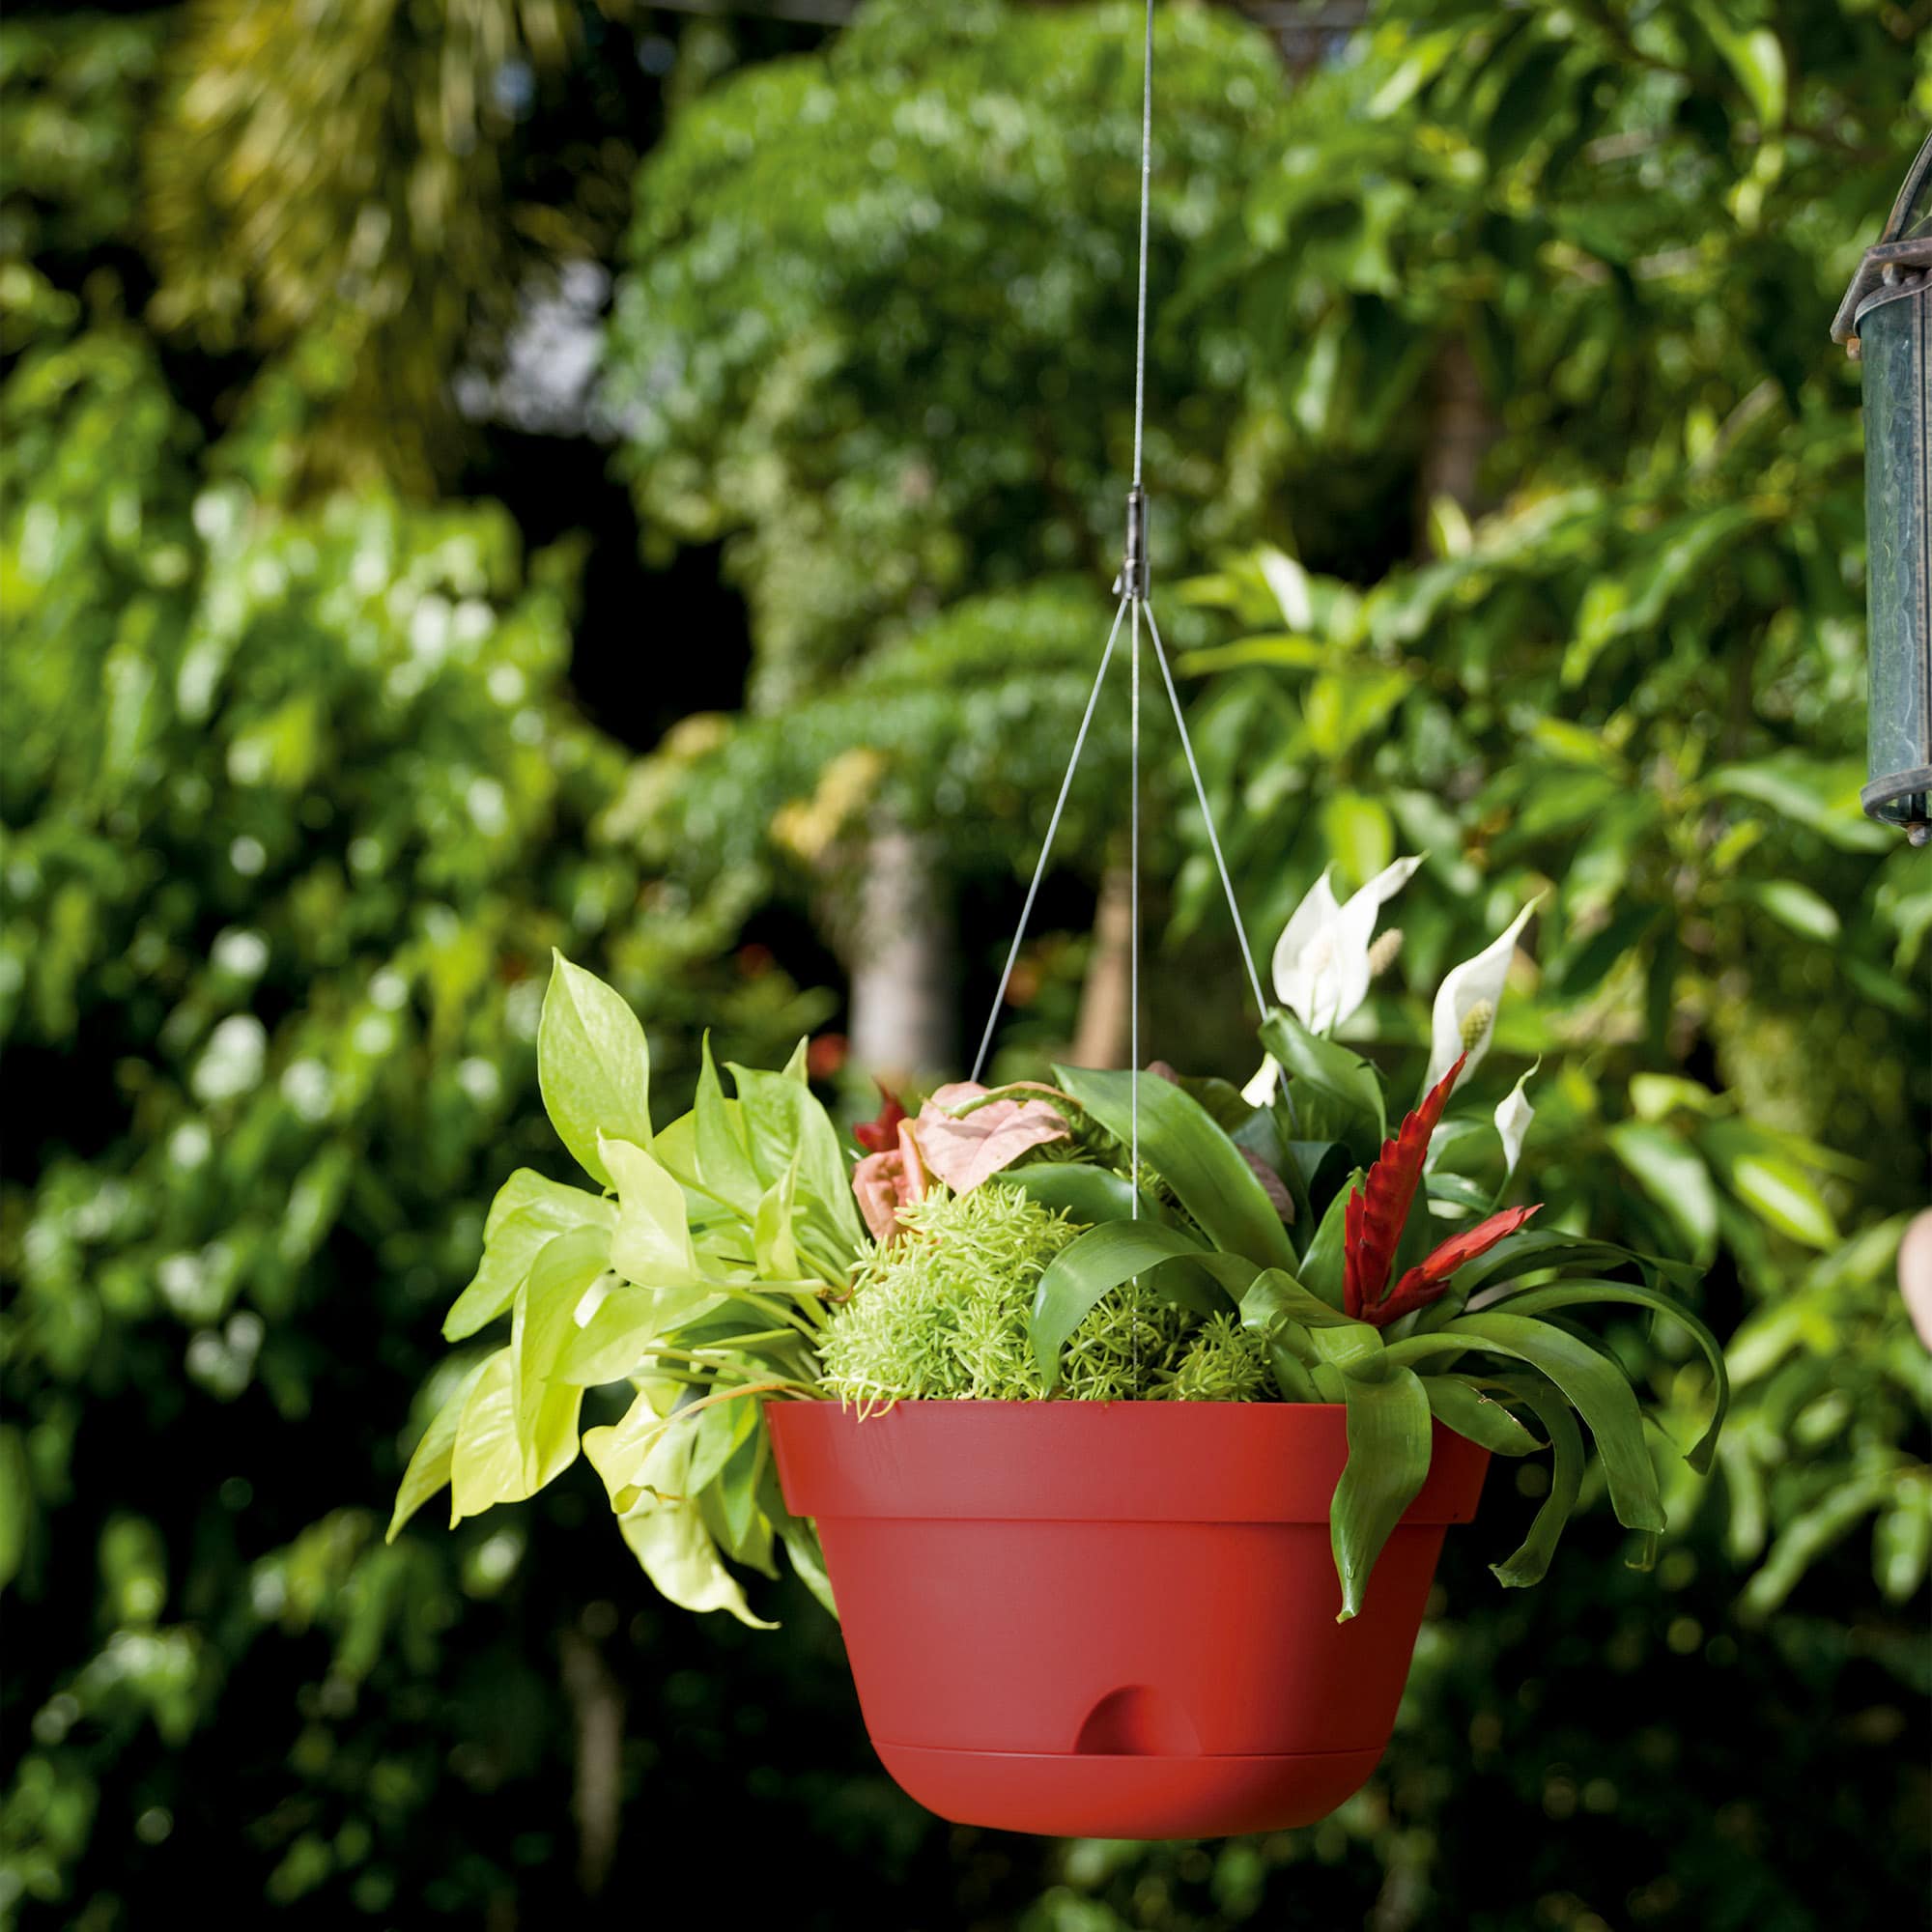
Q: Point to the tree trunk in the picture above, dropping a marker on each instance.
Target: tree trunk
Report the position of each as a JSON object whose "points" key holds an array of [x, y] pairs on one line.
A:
{"points": [[1102, 1031], [597, 1700], [1462, 427], [899, 959]]}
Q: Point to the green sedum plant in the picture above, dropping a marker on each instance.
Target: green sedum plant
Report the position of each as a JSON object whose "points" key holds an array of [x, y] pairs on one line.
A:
{"points": [[1005, 1243]]}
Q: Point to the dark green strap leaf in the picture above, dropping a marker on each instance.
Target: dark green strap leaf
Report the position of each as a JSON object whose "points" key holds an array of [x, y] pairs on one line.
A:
{"points": [[1531, 1563], [1576, 1293], [1388, 1462], [1321, 1268], [1344, 1077], [1273, 1296], [1597, 1386], [1535, 1248], [1089, 1195], [1462, 1405], [1096, 1263], [1178, 1140]]}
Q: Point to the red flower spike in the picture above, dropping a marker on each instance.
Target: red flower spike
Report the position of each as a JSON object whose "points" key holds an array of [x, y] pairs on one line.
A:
{"points": [[1372, 1220], [881, 1134], [1427, 1280]]}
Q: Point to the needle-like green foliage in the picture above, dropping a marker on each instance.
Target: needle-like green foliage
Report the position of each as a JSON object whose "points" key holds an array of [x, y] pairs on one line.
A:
{"points": [[943, 1312]]}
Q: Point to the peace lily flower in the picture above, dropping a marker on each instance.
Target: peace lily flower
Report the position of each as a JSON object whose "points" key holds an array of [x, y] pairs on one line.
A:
{"points": [[1512, 1117], [1327, 956], [1464, 1019]]}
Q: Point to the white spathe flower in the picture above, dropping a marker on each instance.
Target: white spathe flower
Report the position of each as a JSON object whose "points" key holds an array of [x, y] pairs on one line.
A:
{"points": [[1322, 960], [1465, 1017], [1512, 1117], [1260, 1090]]}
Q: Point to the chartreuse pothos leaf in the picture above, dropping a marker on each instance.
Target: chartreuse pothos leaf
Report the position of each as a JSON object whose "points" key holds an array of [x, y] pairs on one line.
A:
{"points": [[619, 1450], [593, 1066], [544, 1322], [1343, 1077], [1092, 1265], [429, 1467], [652, 1243], [771, 1237], [666, 1532], [526, 1212], [1180, 1142], [784, 1122], [1577, 1294], [610, 1345], [1531, 1563], [724, 1159], [1596, 1386], [1462, 1405], [799, 1536], [487, 1465], [1388, 1423]]}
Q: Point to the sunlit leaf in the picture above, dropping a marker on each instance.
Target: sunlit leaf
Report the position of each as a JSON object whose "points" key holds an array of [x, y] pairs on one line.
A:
{"points": [[593, 1064]]}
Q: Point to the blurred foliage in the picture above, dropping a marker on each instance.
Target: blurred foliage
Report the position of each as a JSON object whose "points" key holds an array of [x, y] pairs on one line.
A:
{"points": [[294, 799], [1635, 685], [959, 731], [294, 807], [76, 90], [370, 177], [878, 330]]}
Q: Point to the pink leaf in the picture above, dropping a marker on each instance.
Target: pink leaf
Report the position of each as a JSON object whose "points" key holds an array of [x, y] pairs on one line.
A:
{"points": [[963, 1152], [883, 1182]]}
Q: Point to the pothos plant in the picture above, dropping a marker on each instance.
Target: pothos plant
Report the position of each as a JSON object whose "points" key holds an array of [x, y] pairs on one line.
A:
{"points": [[1275, 1243]]}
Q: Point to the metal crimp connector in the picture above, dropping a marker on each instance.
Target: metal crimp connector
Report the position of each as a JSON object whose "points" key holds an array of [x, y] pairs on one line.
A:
{"points": [[1134, 578]]}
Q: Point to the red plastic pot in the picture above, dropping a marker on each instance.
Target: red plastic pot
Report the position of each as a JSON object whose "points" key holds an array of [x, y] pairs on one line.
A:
{"points": [[1113, 1619]]}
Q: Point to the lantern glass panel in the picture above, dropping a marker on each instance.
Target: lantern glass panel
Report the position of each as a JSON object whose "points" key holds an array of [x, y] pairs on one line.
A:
{"points": [[1894, 334]]}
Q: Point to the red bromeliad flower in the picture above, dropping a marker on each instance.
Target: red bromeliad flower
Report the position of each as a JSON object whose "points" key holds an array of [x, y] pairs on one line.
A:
{"points": [[878, 1135], [1373, 1221]]}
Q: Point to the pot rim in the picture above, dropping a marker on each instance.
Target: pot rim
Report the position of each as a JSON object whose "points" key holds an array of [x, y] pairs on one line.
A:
{"points": [[1067, 1461]]}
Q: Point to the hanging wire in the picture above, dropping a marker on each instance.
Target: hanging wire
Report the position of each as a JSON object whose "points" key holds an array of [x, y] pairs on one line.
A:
{"points": [[1134, 946], [1047, 846], [1139, 300], [1206, 816], [1132, 586], [1135, 572]]}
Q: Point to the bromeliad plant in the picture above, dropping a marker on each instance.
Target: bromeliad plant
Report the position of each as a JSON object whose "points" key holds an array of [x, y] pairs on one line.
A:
{"points": [[1277, 1244]]}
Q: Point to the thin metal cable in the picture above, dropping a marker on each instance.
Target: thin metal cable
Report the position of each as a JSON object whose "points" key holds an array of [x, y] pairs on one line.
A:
{"points": [[1052, 827], [1140, 312], [1135, 575], [1134, 915], [1207, 814]]}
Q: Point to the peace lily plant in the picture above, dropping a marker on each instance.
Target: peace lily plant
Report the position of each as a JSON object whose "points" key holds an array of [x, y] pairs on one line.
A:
{"points": [[1277, 1245]]}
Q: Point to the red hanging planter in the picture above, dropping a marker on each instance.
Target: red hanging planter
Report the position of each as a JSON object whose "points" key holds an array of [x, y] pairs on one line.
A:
{"points": [[1114, 1619]]}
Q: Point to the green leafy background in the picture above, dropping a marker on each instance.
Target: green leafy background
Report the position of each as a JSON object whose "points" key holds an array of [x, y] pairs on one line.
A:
{"points": [[1508, 507]]}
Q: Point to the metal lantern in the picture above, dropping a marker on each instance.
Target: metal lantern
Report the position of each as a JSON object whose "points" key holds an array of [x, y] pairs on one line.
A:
{"points": [[1885, 322]]}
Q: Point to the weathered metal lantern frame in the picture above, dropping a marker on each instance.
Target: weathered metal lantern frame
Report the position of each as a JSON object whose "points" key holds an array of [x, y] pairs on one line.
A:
{"points": [[1885, 322]]}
